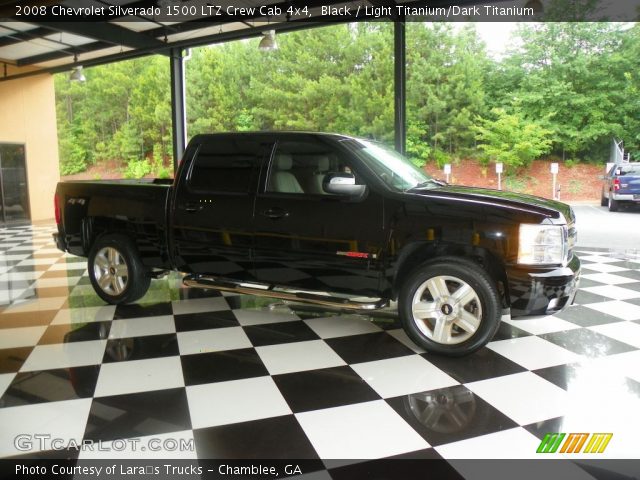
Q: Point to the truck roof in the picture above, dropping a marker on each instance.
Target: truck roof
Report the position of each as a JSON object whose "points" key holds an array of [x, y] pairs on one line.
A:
{"points": [[275, 133]]}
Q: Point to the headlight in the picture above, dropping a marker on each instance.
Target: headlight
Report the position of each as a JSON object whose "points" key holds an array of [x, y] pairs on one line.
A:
{"points": [[542, 244]]}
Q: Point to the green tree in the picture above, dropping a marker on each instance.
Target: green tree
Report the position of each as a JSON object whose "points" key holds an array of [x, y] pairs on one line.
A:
{"points": [[336, 78], [120, 113], [568, 76], [577, 81], [511, 139], [630, 91], [445, 88]]}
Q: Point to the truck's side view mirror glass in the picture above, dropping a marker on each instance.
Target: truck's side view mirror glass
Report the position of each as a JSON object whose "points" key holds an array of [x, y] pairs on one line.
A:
{"points": [[342, 183]]}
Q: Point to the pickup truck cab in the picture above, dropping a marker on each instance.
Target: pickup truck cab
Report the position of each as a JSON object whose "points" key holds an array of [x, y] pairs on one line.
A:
{"points": [[332, 220], [621, 185]]}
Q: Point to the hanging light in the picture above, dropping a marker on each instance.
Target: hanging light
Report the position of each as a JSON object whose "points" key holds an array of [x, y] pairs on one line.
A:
{"points": [[77, 75], [268, 41]]}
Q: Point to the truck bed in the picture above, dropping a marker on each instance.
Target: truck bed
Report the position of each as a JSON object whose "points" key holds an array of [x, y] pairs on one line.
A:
{"points": [[135, 207]]}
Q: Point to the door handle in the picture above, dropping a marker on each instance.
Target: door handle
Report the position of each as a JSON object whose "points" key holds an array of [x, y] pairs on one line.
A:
{"points": [[275, 213], [192, 207]]}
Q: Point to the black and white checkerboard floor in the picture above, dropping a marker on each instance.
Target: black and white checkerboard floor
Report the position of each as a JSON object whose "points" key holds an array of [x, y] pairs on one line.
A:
{"points": [[241, 377]]}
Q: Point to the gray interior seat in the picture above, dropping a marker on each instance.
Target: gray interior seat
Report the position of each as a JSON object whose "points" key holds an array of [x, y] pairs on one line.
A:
{"points": [[282, 180], [314, 183]]}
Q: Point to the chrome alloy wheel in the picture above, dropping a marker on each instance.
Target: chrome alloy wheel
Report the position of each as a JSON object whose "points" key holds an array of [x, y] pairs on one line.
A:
{"points": [[111, 271], [446, 310]]}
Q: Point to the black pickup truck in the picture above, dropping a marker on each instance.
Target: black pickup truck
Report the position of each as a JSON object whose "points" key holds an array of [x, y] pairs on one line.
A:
{"points": [[331, 220]]}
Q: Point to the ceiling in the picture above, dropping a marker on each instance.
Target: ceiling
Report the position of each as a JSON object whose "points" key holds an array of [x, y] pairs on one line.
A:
{"points": [[56, 41]]}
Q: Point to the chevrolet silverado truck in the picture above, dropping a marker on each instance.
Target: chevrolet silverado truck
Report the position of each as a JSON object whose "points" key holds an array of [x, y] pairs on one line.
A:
{"points": [[621, 186], [331, 220]]}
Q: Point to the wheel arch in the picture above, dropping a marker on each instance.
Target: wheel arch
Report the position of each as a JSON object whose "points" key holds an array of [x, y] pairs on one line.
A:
{"points": [[419, 253], [92, 228]]}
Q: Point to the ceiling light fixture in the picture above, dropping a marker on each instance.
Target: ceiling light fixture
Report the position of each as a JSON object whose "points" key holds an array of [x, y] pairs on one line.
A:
{"points": [[77, 75], [268, 41]]}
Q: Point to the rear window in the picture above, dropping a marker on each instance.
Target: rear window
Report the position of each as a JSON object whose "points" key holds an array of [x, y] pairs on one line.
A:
{"points": [[226, 165], [631, 169]]}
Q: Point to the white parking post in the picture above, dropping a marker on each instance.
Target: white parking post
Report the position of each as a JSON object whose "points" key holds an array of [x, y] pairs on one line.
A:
{"points": [[554, 172], [447, 170], [499, 172]]}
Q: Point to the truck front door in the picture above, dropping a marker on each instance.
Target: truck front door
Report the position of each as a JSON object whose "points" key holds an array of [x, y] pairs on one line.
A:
{"points": [[310, 239]]}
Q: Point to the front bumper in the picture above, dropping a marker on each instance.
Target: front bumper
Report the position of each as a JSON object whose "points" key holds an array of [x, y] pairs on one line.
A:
{"points": [[542, 291]]}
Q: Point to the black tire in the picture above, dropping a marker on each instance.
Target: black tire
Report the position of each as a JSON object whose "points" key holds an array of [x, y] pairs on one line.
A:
{"points": [[119, 285], [603, 200], [613, 204], [451, 277]]}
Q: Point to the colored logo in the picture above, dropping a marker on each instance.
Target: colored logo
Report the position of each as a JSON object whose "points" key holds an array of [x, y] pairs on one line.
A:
{"points": [[574, 443]]}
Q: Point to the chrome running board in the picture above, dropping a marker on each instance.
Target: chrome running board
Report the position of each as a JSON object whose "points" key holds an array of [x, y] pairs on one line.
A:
{"points": [[225, 285]]}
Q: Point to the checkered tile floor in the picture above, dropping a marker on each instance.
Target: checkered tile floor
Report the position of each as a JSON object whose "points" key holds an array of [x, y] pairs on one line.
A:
{"points": [[241, 377]]}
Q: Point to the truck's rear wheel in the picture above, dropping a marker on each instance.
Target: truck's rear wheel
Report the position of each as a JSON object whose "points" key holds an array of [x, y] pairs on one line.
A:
{"points": [[613, 204], [450, 307], [116, 271]]}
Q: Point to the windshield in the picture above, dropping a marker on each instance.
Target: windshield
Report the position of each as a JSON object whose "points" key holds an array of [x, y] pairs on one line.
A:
{"points": [[394, 169]]}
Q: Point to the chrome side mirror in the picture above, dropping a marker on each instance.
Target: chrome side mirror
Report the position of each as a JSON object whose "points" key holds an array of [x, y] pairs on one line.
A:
{"points": [[341, 183]]}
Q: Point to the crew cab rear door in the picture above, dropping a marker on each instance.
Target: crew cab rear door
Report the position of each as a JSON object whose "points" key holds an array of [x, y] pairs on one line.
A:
{"points": [[213, 207], [307, 238]]}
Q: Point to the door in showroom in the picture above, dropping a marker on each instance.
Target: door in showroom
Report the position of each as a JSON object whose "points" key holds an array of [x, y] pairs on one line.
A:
{"points": [[14, 193]]}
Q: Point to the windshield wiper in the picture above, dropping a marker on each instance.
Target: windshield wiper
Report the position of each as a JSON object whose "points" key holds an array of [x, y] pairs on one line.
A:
{"points": [[431, 181]]}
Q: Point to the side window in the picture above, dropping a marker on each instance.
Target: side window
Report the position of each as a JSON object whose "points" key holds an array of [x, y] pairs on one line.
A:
{"points": [[300, 167], [226, 165]]}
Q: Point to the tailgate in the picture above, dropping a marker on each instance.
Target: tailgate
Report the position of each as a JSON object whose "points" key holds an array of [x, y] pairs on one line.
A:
{"points": [[629, 184]]}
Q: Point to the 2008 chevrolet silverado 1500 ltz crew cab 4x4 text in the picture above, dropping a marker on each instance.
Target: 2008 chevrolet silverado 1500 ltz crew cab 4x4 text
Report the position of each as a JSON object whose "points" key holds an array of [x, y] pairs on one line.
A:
{"points": [[296, 215]]}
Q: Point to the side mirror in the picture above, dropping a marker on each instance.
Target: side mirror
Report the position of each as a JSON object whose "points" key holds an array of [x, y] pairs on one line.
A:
{"points": [[602, 177], [342, 184]]}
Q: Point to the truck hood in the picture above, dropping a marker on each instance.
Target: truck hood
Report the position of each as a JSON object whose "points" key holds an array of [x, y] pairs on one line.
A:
{"points": [[517, 201]]}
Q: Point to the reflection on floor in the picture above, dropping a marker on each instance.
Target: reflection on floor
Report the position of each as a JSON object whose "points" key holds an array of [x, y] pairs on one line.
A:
{"points": [[210, 376]]}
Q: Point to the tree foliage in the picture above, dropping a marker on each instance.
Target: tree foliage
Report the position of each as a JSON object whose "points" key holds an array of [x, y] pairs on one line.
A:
{"points": [[120, 113], [337, 78], [511, 139], [563, 88], [445, 88], [570, 75]]}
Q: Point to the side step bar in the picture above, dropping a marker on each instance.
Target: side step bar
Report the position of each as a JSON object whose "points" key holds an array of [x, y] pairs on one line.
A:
{"points": [[223, 285]]}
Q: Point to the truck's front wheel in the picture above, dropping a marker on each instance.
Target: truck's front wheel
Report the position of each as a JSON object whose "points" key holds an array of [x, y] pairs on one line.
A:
{"points": [[450, 307], [116, 271]]}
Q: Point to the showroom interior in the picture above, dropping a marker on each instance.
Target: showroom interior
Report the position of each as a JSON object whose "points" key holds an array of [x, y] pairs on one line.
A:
{"points": [[203, 374]]}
